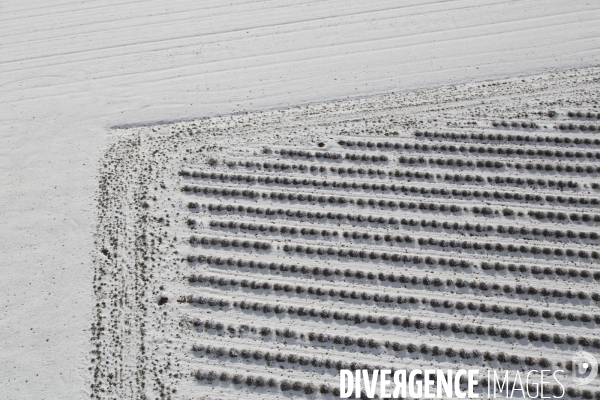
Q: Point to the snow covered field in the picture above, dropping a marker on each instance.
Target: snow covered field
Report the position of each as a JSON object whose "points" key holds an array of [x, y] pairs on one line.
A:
{"points": [[72, 70], [447, 228]]}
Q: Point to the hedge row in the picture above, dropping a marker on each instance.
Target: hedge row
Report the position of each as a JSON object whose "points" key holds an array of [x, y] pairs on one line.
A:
{"points": [[516, 124], [292, 358], [397, 323], [432, 261], [582, 114], [337, 217], [393, 222], [406, 190], [509, 151], [509, 138], [459, 162], [370, 172], [224, 242], [341, 200], [562, 217], [415, 351], [550, 272], [387, 299], [357, 236], [308, 154], [257, 381], [581, 127]]}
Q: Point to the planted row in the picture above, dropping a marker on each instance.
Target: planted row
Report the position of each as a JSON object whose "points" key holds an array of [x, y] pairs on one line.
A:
{"points": [[537, 270], [283, 167], [290, 358], [515, 124], [549, 272], [508, 151], [407, 190], [512, 181], [251, 227], [393, 222], [583, 114], [336, 156], [259, 165], [431, 261], [562, 217], [415, 350], [259, 382], [396, 322], [581, 127], [387, 299], [224, 243], [319, 216], [459, 162], [500, 229], [523, 250], [366, 158], [370, 172], [340, 200], [500, 137], [410, 348], [358, 236], [455, 193], [308, 154]]}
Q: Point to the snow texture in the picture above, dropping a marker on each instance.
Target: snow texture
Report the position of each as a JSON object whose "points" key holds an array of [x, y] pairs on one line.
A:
{"points": [[73, 70], [261, 253]]}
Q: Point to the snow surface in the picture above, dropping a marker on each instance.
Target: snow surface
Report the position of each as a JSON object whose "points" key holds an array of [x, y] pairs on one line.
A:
{"points": [[71, 70], [229, 162]]}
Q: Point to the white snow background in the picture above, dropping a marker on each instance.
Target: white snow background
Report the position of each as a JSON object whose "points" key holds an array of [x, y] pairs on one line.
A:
{"points": [[71, 70]]}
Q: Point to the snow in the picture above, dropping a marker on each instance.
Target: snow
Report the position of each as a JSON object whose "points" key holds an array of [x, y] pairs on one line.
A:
{"points": [[72, 70]]}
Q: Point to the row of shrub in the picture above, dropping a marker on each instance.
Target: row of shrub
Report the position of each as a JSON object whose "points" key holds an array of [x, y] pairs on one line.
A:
{"points": [[308, 154], [362, 236], [370, 172], [516, 124], [281, 196], [383, 299], [319, 216], [459, 162], [224, 242], [415, 351], [406, 190], [393, 257], [550, 272], [500, 229], [267, 165], [581, 127], [583, 114], [283, 167], [455, 193], [396, 322], [365, 157], [508, 151], [562, 217], [538, 271], [393, 222], [510, 180], [257, 381], [500, 137], [251, 227], [334, 156], [340, 200], [523, 250]]}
